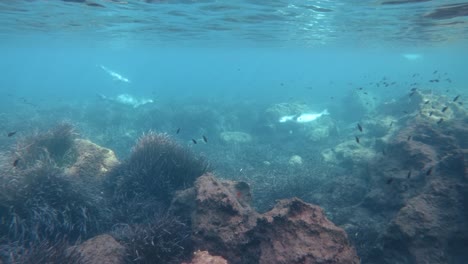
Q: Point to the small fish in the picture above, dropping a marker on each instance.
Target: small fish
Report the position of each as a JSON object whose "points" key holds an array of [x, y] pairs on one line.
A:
{"points": [[359, 127], [391, 124], [440, 121], [409, 138], [389, 180], [412, 93], [444, 109], [357, 140], [429, 171], [15, 163], [194, 141], [409, 174], [430, 113], [426, 102], [384, 152], [10, 134], [205, 139], [435, 72], [456, 98], [413, 89], [178, 130]]}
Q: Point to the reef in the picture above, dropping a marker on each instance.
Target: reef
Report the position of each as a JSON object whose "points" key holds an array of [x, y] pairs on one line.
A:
{"points": [[414, 188]]}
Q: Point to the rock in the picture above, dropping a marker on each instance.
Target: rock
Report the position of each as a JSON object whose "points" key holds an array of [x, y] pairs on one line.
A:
{"points": [[92, 160], [235, 137], [203, 257], [298, 232], [431, 227], [225, 224], [349, 153], [222, 218], [102, 249], [295, 160]]}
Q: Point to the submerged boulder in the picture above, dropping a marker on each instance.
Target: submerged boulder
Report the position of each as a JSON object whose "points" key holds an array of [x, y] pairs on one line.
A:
{"points": [[92, 159], [235, 137], [204, 257], [102, 249], [225, 224]]}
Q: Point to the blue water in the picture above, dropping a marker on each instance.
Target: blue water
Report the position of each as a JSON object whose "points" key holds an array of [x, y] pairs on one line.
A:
{"points": [[213, 66], [55, 46]]}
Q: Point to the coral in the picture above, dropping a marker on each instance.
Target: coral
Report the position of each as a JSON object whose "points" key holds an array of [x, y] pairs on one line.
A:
{"points": [[235, 137]]}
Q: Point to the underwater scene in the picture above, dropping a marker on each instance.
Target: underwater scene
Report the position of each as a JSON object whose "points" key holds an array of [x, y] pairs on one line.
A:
{"points": [[240, 132]]}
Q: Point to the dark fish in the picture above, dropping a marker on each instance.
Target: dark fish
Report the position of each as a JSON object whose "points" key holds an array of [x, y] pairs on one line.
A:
{"points": [[194, 141], [205, 139], [391, 124], [357, 140], [389, 180], [15, 163], [435, 72], [444, 109], [359, 127], [440, 121], [456, 98], [409, 174], [448, 80], [413, 89], [405, 112], [426, 102], [429, 171], [384, 152], [11, 134], [178, 130], [430, 113], [409, 138], [412, 93], [365, 92], [360, 88]]}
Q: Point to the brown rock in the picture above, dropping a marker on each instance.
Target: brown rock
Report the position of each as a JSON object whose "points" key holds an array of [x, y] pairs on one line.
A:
{"points": [[92, 160], [203, 257], [102, 249], [298, 232], [431, 226], [223, 217], [224, 223]]}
